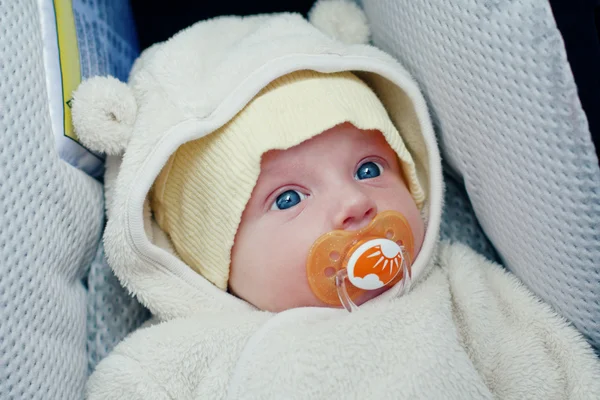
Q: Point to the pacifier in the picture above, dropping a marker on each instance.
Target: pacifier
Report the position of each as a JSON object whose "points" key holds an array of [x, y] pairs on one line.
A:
{"points": [[373, 257]]}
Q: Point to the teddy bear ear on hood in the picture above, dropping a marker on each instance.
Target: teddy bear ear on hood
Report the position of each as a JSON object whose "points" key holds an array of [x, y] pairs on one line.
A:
{"points": [[104, 111], [343, 20]]}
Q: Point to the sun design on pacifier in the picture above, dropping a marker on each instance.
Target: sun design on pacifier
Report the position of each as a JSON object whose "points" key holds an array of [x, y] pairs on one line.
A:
{"points": [[374, 264]]}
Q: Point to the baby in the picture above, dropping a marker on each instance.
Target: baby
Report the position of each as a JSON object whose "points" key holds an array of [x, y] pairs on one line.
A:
{"points": [[252, 190]]}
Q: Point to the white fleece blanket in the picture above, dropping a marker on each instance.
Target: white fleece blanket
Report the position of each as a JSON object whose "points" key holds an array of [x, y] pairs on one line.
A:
{"points": [[468, 331]]}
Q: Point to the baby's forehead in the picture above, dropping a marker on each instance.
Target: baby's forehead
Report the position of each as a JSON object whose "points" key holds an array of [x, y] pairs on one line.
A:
{"points": [[345, 136], [331, 145]]}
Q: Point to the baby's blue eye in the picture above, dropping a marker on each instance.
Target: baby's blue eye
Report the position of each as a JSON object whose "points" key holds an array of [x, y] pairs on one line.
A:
{"points": [[287, 199], [368, 170]]}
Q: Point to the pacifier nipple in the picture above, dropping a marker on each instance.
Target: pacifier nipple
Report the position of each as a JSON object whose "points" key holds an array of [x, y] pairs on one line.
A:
{"points": [[376, 256]]}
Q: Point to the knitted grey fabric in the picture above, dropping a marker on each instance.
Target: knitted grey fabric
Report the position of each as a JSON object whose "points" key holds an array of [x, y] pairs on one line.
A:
{"points": [[112, 312], [51, 217], [459, 223], [503, 98], [52, 213]]}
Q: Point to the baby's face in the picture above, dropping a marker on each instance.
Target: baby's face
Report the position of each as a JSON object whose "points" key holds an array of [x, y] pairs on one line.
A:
{"points": [[339, 179]]}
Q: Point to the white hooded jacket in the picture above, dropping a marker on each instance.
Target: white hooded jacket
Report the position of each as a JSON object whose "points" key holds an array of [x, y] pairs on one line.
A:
{"points": [[466, 330]]}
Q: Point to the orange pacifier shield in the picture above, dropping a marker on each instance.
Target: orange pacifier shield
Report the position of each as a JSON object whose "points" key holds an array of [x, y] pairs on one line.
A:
{"points": [[373, 257]]}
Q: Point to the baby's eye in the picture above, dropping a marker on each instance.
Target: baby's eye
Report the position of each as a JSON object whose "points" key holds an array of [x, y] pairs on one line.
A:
{"points": [[368, 170], [287, 199]]}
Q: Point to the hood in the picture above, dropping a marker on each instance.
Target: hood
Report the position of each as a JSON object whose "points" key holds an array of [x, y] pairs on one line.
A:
{"points": [[189, 86]]}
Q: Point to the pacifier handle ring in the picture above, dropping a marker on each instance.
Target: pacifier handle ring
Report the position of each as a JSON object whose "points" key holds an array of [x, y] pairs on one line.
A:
{"points": [[341, 278], [340, 283]]}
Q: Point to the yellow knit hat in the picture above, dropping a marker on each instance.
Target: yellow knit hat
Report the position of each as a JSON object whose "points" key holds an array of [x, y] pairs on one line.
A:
{"points": [[199, 196]]}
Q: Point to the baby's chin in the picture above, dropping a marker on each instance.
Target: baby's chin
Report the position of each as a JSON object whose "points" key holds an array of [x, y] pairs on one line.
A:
{"points": [[361, 299], [370, 295]]}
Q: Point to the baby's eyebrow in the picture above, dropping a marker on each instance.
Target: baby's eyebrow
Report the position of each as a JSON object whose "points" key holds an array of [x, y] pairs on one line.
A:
{"points": [[282, 166], [272, 173]]}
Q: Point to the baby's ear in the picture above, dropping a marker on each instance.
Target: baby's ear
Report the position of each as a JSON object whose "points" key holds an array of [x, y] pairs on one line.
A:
{"points": [[342, 19], [104, 111]]}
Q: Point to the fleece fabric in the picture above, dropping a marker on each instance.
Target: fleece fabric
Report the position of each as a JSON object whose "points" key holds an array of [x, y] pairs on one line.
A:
{"points": [[465, 330], [468, 331]]}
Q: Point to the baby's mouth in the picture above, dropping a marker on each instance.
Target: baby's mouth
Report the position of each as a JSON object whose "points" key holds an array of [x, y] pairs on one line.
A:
{"points": [[349, 268]]}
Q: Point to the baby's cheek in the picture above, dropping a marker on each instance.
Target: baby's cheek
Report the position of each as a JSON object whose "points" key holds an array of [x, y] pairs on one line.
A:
{"points": [[287, 278], [287, 259], [291, 293]]}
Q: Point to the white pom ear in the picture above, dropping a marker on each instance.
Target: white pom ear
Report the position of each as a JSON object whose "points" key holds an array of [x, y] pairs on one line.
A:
{"points": [[104, 111], [341, 19]]}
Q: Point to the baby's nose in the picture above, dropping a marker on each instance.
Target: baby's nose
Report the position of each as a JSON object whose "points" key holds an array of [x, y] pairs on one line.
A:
{"points": [[356, 211]]}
